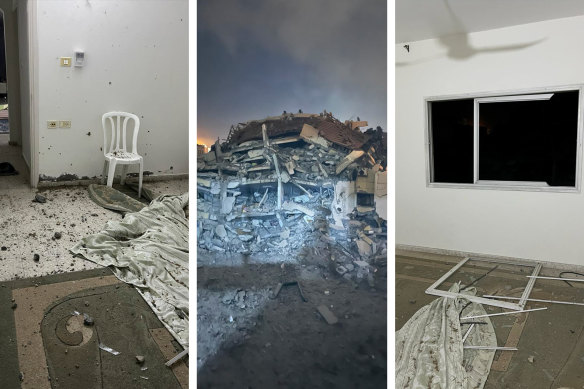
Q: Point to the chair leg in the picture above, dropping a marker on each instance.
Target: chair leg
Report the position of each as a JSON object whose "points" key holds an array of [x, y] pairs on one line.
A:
{"points": [[124, 172], [140, 178], [112, 171], [103, 173]]}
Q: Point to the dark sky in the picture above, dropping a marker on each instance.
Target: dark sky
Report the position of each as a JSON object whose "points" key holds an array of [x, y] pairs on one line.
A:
{"points": [[257, 58]]}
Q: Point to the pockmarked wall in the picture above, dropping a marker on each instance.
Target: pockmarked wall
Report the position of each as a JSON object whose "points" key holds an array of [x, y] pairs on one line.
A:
{"points": [[136, 60], [24, 67], [533, 225]]}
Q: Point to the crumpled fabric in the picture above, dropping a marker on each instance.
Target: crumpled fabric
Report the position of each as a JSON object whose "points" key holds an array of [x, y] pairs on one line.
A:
{"points": [[150, 250], [429, 351]]}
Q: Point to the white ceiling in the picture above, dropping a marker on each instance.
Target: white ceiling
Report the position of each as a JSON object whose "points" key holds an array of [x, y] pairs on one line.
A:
{"points": [[425, 19]]}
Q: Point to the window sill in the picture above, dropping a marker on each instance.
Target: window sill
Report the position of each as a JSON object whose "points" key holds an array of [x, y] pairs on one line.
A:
{"points": [[522, 187]]}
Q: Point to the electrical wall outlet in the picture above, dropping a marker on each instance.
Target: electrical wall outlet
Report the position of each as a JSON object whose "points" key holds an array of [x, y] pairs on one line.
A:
{"points": [[65, 123], [52, 124], [65, 61]]}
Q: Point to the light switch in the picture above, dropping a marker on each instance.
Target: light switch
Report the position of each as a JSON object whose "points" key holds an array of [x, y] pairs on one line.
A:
{"points": [[79, 58], [64, 123], [65, 61]]}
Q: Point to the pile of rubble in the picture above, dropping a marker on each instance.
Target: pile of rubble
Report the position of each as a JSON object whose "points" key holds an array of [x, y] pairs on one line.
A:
{"points": [[287, 183]]}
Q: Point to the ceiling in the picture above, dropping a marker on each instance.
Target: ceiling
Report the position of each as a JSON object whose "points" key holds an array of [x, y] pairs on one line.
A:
{"points": [[425, 19]]}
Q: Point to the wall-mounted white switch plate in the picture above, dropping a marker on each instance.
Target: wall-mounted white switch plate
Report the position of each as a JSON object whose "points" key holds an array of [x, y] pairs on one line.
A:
{"points": [[65, 61], [65, 123], [79, 58], [52, 124]]}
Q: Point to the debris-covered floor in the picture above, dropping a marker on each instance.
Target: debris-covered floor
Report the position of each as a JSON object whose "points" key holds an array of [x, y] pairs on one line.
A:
{"points": [[550, 342], [58, 308], [47, 293], [291, 237], [50, 229]]}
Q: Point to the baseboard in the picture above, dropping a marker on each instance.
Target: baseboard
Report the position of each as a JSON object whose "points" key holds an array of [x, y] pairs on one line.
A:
{"points": [[458, 255], [152, 178]]}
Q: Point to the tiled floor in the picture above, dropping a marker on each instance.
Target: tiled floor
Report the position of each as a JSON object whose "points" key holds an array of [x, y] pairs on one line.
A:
{"points": [[28, 228]]}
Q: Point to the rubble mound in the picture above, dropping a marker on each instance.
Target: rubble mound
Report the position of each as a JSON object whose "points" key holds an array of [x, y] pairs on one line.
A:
{"points": [[293, 183]]}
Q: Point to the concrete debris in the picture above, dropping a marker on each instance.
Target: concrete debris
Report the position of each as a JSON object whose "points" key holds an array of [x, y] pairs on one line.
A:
{"points": [[327, 314], [364, 248], [88, 320], [287, 183], [352, 157], [227, 205], [290, 206], [289, 283], [40, 199], [311, 135], [220, 231]]}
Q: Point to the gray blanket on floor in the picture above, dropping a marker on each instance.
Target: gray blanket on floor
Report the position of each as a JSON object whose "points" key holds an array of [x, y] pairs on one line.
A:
{"points": [[150, 250]]}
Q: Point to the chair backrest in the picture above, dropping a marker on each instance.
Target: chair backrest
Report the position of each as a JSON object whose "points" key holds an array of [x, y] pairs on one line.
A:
{"points": [[118, 122]]}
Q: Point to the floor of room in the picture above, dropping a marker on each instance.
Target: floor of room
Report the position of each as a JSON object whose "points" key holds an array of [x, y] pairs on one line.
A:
{"points": [[47, 344], [550, 342], [29, 227], [41, 282]]}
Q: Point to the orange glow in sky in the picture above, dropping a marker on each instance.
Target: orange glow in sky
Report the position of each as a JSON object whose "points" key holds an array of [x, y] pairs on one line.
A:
{"points": [[204, 140]]}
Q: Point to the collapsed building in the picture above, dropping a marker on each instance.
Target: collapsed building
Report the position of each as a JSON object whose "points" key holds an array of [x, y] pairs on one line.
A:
{"points": [[284, 183]]}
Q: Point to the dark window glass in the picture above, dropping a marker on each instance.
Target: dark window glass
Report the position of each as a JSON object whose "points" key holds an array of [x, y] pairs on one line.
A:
{"points": [[530, 140], [452, 140]]}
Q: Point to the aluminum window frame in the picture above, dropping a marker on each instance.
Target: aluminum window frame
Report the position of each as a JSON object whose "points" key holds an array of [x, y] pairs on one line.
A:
{"points": [[520, 305], [502, 96]]}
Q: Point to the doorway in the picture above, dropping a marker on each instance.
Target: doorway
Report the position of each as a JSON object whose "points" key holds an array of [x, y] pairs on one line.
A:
{"points": [[14, 171]]}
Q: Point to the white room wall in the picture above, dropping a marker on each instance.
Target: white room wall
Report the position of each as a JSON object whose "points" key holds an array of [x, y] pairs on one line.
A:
{"points": [[23, 48], [136, 60], [532, 225]]}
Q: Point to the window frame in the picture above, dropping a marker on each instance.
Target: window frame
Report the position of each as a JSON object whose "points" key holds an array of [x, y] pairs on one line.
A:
{"points": [[501, 96]]}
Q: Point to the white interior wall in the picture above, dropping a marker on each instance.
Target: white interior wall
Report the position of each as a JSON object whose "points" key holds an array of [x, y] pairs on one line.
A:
{"points": [[533, 225], [136, 60], [23, 47]]}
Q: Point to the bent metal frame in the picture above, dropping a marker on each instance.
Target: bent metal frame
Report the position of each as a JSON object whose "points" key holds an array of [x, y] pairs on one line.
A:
{"points": [[433, 289]]}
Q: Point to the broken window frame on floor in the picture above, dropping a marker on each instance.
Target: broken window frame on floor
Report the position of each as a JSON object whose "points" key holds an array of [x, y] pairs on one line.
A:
{"points": [[508, 96], [433, 289]]}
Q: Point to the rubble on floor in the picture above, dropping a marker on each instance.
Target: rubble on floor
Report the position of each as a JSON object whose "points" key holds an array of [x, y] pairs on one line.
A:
{"points": [[288, 184]]}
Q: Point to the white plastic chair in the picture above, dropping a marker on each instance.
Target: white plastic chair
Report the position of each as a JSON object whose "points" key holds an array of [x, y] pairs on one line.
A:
{"points": [[115, 152]]}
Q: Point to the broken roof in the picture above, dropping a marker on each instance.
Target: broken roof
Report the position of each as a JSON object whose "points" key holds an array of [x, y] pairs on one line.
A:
{"points": [[291, 124]]}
